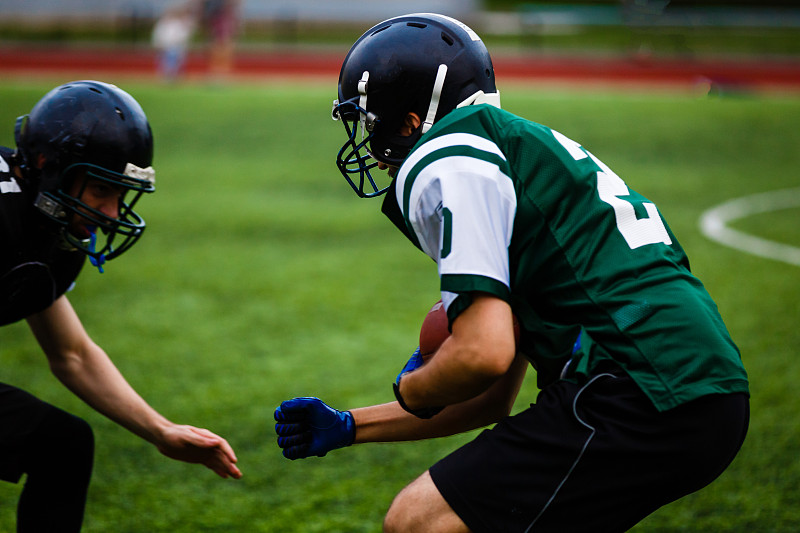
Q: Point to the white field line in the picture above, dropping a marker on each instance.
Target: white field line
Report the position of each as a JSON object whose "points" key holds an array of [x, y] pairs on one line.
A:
{"points": [[713, 224]]}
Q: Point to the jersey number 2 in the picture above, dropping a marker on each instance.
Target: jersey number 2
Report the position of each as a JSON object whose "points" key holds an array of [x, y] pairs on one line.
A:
{"points": [[636, 231]]}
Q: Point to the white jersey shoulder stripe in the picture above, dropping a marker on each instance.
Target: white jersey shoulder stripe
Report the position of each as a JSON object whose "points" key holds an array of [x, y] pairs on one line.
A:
{"points": [[480, 241], [445, 141]]}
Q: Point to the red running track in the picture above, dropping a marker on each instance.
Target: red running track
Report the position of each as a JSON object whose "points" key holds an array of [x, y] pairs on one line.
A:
{"points": [[750, 73]]}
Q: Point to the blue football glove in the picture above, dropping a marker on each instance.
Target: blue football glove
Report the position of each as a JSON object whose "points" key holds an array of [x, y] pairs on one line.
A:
{"points": [[414, 363], [307, 426]]}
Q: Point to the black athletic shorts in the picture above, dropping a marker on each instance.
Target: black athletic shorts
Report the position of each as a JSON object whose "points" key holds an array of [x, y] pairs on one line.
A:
{"points": [[596, 457], [20, 415]]}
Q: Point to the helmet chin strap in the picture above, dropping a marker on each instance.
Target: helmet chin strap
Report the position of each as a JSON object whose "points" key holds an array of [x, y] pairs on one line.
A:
{"points": [[95, 261], [437, 93]]}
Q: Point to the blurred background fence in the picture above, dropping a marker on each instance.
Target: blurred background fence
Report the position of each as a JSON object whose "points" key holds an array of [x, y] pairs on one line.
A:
{"points": [[133, 19], [655, 40]]}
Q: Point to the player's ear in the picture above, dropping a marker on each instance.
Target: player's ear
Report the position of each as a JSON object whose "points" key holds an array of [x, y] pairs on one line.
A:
{"points": [[410, 124]]}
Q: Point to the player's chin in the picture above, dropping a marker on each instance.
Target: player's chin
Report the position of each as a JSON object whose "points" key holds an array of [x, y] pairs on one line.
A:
{"points": [[390, 170], [79, 227], [79, 231]]}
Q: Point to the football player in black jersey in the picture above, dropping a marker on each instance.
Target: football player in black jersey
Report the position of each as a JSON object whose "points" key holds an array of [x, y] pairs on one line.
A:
{"points": [[67, 192]]}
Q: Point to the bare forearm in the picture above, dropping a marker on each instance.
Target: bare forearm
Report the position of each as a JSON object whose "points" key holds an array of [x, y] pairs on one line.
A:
{"points": [[87, 371], [477, 354], [95, 379], [389, 422], [446, 379]]}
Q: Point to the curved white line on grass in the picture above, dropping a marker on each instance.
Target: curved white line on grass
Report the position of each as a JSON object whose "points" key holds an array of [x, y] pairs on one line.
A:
{"points": [[713, 224]]}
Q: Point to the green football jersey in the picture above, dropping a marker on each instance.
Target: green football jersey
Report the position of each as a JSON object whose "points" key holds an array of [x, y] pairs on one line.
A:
{"points": [[512, 208]]}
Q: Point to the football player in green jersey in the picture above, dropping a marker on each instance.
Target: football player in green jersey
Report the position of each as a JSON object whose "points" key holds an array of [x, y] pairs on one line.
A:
{"points": [[643, 398]]}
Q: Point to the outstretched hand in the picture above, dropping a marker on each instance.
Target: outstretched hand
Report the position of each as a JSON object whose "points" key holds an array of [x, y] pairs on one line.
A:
{"points": [[307, 426], [200, 446]]}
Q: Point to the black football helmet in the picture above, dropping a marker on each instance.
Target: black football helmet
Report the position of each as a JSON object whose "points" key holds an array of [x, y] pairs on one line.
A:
{"points": [[424, 63], [88, 130]]}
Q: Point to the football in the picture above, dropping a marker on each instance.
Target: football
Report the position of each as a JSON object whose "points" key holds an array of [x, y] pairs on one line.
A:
{"points": [[435, 329]]}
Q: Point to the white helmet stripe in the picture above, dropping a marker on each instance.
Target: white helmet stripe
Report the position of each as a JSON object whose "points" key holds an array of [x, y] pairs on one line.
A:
{"points": [[437, 93], [362, 101]]}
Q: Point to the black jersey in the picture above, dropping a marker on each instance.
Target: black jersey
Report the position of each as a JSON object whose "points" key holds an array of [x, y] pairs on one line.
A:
{"points": [[35, 268]]}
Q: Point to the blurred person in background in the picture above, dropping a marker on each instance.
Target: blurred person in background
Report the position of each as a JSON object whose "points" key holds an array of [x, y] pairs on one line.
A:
{"points": [[221, 22], [172, 34], [67, 193]]}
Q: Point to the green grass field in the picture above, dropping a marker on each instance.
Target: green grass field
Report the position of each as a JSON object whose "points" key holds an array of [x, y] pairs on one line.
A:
{"points": [[262, 277]]}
